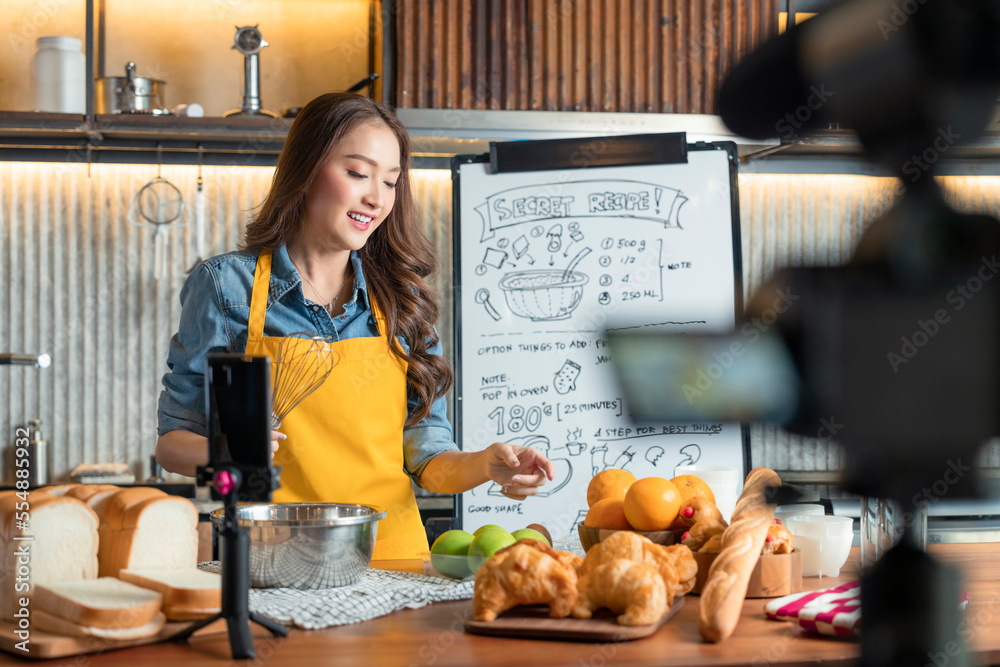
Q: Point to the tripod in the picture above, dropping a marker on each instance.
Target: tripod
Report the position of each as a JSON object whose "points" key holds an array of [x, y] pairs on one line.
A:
{"points": [[235, 561]]}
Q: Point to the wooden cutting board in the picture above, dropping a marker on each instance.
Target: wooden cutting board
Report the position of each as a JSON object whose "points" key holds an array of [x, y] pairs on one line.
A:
{"points": [[43, 645], [534, 623]]}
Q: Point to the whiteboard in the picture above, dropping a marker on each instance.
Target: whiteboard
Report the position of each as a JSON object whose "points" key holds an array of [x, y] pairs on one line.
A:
{"points": [[545, 261]]}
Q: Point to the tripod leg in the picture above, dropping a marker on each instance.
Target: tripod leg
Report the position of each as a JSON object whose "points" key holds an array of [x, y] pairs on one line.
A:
{"points": [[240, 639], [277, 629], [193, 628]]}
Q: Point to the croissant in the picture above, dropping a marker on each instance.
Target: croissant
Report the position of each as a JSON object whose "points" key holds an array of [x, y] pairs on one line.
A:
{"points": [[633, 589], [675, 564], [705, 521], [684, 565], [778, 540], [527, 572]]}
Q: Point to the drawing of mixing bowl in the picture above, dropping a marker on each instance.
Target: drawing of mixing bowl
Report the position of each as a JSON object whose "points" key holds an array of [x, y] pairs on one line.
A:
{"points": [[543, 294]]}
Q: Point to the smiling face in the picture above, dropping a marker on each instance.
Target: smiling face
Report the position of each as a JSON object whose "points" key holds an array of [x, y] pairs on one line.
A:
{"points": [[354, 190]]}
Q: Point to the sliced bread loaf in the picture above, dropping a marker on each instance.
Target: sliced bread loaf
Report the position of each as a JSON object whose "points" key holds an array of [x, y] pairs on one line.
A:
{"points": [[63, 544], [59, 489], [144, 528], [106, 603], [85, 491]]}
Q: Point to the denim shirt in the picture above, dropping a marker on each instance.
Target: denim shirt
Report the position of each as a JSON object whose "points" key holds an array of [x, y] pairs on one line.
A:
{"points": [[215, 303]]}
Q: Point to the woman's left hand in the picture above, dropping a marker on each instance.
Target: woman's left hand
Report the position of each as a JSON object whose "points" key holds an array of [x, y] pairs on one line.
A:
{"points": [[519, 470]]}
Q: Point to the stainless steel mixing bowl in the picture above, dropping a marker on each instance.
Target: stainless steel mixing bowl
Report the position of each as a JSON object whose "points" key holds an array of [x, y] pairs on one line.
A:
{"points": [[307, 545]]}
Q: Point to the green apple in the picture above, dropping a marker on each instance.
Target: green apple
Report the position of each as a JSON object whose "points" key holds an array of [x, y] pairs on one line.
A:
{"points": [[488, 526], [489, 540], [449, 553], [531, 534]]}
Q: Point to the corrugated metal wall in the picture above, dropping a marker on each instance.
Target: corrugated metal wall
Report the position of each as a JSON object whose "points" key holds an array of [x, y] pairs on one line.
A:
{"points": [[76, 280], [573, 55]]}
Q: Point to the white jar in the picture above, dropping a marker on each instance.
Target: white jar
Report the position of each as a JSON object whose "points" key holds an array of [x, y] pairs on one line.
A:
{"points": [[58, 71]]}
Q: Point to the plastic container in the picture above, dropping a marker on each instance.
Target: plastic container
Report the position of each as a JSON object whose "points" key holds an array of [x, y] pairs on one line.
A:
{"points": [[58, 73], [726, 484], [825, 542], [786, 512]]}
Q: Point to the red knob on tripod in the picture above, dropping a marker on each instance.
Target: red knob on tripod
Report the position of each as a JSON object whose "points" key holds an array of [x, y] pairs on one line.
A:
{"points": [[224, 481]]}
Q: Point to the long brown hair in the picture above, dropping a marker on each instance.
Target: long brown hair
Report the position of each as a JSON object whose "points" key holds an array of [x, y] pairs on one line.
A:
{"points": [[397, 256]]}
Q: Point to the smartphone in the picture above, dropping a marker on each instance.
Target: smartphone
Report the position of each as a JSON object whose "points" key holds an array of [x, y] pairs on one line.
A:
{"points": [[238, 405], [684, 378]]}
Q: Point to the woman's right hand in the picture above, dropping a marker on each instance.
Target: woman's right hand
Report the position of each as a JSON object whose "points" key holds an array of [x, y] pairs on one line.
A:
{"points": [[276, 438]]}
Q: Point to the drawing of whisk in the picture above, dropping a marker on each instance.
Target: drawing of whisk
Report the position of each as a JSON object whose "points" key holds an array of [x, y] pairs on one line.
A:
{"points": [[303, 362]]}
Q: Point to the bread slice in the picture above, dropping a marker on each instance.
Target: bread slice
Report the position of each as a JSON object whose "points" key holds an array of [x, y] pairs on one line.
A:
{"points": [[53, 624], [63, 544], [144, 528], [185, 614], [191, 588], [106, 603]]}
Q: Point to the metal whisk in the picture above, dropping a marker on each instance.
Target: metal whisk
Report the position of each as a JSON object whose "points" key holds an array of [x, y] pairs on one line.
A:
{"points": [[304, 360]]}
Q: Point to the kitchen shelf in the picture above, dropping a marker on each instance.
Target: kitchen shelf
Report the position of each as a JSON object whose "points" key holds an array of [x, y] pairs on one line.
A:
{"points": [[436, 136], [142, 138]]}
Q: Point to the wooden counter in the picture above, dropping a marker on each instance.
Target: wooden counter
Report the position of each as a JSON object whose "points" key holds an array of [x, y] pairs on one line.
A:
{"points": [[434, 636]]}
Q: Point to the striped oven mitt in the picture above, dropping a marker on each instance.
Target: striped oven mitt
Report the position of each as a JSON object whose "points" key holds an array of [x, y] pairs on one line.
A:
{"points": [[834, 611]]}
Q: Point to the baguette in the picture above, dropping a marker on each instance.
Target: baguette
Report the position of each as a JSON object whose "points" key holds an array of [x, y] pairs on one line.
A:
{"points": [[726, 586]]}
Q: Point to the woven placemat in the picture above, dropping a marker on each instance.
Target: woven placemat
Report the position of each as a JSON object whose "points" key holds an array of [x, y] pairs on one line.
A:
{"points": [[377, 593]]}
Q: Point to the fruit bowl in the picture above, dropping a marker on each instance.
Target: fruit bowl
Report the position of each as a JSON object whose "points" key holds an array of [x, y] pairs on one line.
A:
{"points": [[591, 536], [461, 568]]}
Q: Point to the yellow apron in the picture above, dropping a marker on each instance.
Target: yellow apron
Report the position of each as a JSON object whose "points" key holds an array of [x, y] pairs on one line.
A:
{"points": [[345, 441]]}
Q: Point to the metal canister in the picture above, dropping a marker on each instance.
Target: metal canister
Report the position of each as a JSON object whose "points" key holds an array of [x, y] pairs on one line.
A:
{"points": [[38, 471]]}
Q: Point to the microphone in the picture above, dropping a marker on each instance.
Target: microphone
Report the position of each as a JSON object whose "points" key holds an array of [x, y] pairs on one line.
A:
{"points": [[766, 96]]}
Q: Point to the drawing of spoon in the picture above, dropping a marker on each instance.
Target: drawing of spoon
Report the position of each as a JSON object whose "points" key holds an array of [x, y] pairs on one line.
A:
{"points": [[572, 265], [483, 297]]}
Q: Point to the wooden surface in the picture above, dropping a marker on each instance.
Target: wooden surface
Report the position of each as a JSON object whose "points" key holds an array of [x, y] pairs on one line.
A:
{"points": [[43, 645], [534, 623], [434, 635]]}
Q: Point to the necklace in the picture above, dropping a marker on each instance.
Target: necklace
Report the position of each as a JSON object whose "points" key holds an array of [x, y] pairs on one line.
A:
{"points": [[330, 304]]}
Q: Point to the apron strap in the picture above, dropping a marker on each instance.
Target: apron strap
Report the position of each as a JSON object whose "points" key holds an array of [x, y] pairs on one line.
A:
{"points": [[258, 297], [258, 300]]}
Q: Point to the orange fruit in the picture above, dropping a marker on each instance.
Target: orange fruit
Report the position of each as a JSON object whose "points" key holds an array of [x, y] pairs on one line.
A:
{"points": [[608, 513], [611, 483], [691, 486], [652, 503]]}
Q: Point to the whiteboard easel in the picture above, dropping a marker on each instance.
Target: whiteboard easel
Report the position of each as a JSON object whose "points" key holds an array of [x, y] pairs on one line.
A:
{"points": [[544, 258]]}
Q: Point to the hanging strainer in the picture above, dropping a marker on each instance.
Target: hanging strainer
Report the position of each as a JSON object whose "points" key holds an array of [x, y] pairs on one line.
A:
{"points": [[159, 206], [303, 362]]}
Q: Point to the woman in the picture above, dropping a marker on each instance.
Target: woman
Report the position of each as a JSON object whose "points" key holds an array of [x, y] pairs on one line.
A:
{"points": [[338, 249]]}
